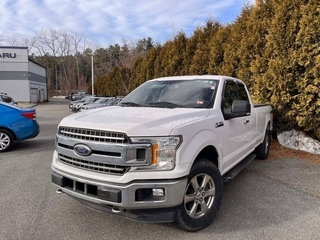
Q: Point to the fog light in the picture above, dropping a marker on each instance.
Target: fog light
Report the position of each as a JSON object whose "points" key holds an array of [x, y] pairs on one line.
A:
{"points": [[158, 192]]}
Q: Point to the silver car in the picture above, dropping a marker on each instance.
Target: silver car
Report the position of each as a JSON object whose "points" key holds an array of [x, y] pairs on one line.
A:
{"points": [[7, 99], [77, 105], [101, 102]]}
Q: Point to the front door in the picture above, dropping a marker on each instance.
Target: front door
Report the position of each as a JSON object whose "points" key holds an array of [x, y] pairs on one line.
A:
{"points": [[238, 139]]}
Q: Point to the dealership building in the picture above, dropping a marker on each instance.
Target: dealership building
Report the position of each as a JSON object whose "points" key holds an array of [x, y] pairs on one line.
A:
{"points": [[21, 78]]}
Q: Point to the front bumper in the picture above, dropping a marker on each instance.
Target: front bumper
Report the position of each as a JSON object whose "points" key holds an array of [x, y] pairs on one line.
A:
{"points": [[133, 200]]}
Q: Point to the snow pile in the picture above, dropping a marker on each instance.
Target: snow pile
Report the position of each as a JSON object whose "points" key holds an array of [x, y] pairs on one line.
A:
{"points": [[59, 96], [299, 141]]}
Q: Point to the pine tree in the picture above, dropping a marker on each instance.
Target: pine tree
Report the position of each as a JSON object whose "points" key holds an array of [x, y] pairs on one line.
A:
{"points": [[203, 36], [306, 57]]}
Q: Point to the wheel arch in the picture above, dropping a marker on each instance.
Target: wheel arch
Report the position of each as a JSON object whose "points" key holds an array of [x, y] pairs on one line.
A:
{"points": [[210, 153], [9, 130]]}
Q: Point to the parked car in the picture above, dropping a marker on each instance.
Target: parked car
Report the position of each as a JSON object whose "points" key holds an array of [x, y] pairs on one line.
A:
{"points": [[101, 102], [5, 98], [72, 104], [163, 153], [115, 101], [78, 95], [16, 124], [77, 106]]}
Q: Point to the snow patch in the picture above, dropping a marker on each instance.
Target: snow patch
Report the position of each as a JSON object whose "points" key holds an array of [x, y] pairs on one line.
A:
{"points": [[298, 140], [59, 97]]}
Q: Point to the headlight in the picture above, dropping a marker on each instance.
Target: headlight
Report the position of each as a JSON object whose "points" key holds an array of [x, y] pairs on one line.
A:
{"points": [[56, 140], [163, 152]]}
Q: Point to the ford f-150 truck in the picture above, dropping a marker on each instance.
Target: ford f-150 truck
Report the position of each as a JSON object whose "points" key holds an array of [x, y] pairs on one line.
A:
{"points": [[163, 153]]}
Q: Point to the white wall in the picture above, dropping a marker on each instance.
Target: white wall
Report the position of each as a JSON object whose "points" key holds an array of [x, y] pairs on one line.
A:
{"points": [[17, 89], [21, 55], [13, 66]]}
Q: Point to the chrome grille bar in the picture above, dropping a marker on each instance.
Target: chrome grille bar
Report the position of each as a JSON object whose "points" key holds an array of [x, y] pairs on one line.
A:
{"points": [[93, 166], [93, 135]]}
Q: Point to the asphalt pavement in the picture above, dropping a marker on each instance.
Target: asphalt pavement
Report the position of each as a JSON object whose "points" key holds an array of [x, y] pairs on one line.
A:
{"points": [[278, 198]]}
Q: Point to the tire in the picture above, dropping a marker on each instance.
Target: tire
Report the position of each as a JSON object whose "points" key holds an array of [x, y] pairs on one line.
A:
{"points": [[6, 140], [263, 149], [202, 197]]}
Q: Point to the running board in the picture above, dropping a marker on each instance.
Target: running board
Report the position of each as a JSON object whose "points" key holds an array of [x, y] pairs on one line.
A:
{"points": [[236, 169]]}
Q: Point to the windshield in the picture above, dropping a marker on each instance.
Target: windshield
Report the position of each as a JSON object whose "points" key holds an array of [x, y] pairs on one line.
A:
{"points": [[91, 100], [86, 98], [173, 94], [114, 102], [103, 100]]}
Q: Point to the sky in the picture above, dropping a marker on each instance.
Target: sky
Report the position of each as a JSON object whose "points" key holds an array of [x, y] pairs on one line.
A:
{"points": [[106, 22]]}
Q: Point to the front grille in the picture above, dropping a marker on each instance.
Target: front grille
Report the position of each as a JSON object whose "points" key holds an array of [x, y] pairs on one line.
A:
{"points": [[93, 135], [93, 166]]}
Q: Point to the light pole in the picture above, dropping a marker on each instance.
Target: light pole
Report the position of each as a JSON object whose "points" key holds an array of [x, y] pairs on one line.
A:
{"points": [[92, 75]]}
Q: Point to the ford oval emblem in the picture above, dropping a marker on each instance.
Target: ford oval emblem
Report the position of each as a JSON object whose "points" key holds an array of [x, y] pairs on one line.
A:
{"points": [[82, 150]]}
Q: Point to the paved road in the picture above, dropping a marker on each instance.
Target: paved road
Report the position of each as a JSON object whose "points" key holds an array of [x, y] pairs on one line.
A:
{"points": [[272, 199]]}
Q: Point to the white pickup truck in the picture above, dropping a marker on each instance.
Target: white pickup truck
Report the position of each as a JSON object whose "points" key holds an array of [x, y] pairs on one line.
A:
{"points": [[163, 153]]}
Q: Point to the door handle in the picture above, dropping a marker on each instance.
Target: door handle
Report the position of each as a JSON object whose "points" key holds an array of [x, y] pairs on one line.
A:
{"points": [[246, 121]]}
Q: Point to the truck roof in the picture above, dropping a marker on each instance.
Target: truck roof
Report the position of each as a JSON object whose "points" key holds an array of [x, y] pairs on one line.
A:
{"points": [[194, 77]]}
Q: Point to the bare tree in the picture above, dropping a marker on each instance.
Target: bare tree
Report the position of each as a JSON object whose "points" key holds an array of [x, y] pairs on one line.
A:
{"points": [[130, 52], [2, 37], [67, 49], [80, 44], [12, 41]]}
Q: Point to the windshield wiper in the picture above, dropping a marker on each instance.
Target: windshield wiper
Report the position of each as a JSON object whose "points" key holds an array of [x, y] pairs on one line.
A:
{"points": [[130, 104], [165, 105]]}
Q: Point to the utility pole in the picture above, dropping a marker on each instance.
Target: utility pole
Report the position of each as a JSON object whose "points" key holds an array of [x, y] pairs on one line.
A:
{"points": [[92, 75]]}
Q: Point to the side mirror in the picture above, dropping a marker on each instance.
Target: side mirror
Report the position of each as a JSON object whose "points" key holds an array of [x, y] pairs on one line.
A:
{"points": [[240, 108]]}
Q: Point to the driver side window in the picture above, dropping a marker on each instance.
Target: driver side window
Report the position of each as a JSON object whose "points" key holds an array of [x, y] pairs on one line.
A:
{"points": [[233, 91], [230, 94]]}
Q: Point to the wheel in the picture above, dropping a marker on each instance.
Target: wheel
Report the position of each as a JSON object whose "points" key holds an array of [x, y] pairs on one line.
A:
{"points": [[263, 149], [202, 196], [6, 140]]}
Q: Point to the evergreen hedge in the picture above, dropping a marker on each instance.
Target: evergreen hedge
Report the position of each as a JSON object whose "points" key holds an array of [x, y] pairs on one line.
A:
{"points": [[274, 47]]}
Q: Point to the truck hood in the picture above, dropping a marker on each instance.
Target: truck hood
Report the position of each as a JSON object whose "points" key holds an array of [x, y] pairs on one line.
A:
{"points": [[135, 121]]}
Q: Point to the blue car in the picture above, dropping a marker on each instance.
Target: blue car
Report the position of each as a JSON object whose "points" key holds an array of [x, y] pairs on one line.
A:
{"points": [[16, 124]]}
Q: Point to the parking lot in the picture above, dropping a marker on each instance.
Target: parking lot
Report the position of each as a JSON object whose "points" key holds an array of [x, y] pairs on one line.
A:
{"points": [[274, 199]]}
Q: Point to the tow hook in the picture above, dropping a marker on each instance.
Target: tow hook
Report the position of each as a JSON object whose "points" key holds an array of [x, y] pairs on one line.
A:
{"points": [[116, 209], [59, 191]]}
